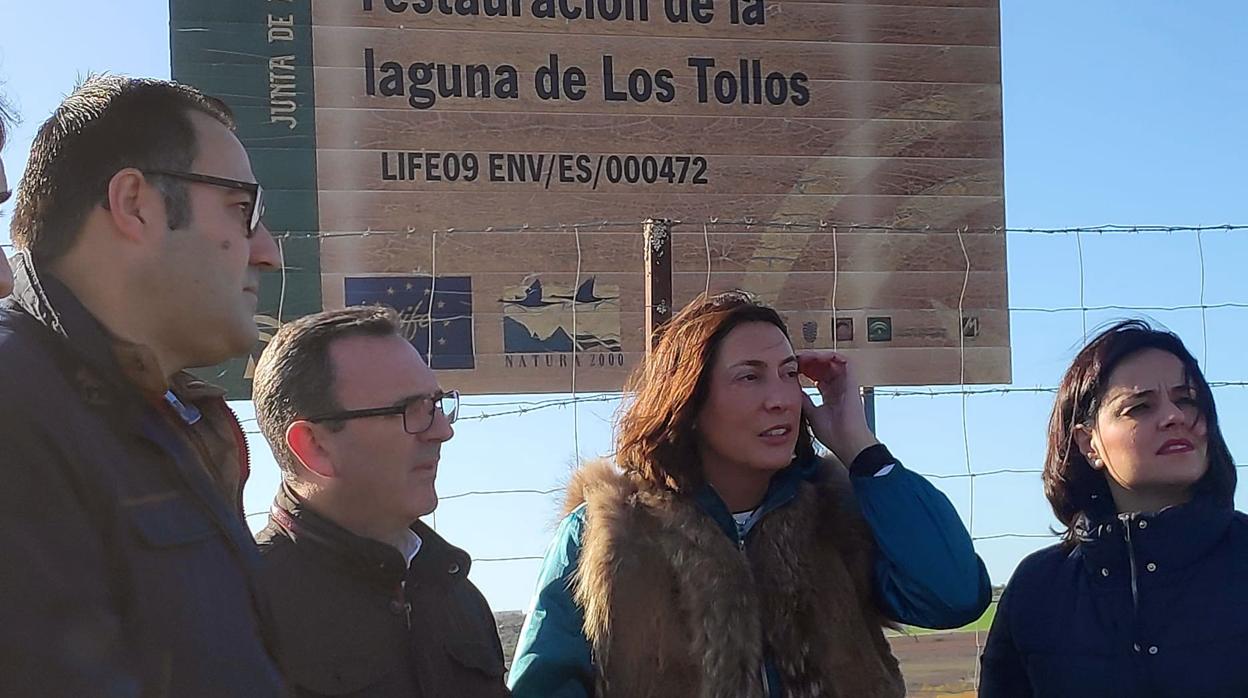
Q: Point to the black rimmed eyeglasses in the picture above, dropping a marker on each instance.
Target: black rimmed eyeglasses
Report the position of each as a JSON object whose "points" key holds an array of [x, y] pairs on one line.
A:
{"points": [[257, 192], [417, 411]]}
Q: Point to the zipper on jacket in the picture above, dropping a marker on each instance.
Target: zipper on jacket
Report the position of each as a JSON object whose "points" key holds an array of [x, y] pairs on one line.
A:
{"points": [[401, 597], [762, 667], [1135, 589], [244, 452]]}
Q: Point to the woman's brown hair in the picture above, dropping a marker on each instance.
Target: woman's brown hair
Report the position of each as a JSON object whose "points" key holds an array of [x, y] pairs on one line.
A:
{"points": [[656, 438], [1071, 484]]}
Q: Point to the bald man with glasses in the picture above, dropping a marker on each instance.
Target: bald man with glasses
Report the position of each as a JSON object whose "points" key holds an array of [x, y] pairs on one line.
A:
{"points": [[368, 600]]}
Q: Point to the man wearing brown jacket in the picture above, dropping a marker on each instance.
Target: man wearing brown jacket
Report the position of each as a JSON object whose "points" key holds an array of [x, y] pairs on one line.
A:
{"points": [[368, 601]]}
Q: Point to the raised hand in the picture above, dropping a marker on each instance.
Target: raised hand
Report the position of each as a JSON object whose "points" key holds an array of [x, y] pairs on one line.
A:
{"points": [[840, 421]]}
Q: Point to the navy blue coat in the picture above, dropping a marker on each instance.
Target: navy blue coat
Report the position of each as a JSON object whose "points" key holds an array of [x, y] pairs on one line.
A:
{"points": [[124, 571], [1145, 605]]}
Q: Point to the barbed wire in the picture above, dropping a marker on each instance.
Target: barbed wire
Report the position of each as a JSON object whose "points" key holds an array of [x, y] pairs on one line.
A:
{"points": [[590, 226], [933, 476], [830, 312], [1004, 390], [528, 407], [561, 489], [750, 223], [479, 493], [1129, 308]]}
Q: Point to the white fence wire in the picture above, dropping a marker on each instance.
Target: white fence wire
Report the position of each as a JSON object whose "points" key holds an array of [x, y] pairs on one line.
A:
{"points": [[1230, 300]]}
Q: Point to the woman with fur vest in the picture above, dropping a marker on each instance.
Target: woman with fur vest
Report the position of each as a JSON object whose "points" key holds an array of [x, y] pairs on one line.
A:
{"points": [[719, 557]]}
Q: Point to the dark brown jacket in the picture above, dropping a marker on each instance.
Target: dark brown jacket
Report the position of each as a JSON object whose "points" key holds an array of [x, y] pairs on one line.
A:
{"points": [[352, 620]]}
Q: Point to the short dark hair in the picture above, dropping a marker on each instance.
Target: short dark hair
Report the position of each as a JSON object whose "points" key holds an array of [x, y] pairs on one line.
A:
{"points": [[106, 124], [656, 438], [294, 378], [1071, 484]]}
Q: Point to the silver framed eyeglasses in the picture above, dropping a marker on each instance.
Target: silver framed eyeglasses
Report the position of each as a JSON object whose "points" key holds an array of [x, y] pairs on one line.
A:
{"points": [[417, 411]]}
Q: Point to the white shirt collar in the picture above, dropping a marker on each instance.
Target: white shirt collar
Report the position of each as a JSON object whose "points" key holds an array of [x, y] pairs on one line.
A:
{"points": [[410, 546]]}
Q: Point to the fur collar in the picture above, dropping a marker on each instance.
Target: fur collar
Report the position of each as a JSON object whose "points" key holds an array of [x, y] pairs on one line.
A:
{"points": [[674, 608]]}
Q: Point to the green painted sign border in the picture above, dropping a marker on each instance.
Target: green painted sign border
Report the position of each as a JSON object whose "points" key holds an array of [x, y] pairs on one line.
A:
{"points": [[257, 57]]}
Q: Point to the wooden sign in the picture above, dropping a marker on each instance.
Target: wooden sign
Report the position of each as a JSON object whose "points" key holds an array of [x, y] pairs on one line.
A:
{"points": [[486, 166]]}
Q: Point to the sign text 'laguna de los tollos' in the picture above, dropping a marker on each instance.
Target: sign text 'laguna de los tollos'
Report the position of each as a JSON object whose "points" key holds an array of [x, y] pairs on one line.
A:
{"points": [[484, 166]]}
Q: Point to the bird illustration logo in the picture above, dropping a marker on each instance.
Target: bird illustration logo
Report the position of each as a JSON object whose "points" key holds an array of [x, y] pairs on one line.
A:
{"points": [[532, 297], [585, 294]]}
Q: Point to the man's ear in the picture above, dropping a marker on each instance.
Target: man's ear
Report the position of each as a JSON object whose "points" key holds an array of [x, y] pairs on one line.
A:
{"points": [[304, 439], [1085, 439], [132, 203]]}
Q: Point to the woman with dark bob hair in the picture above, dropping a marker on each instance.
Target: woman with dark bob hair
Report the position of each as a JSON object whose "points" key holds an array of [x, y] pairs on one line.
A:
{"points": [[1145, 595], [719, 557]]}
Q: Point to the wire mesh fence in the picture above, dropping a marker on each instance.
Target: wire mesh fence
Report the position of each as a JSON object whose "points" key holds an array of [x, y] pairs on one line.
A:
{"points": [[502, 477]]}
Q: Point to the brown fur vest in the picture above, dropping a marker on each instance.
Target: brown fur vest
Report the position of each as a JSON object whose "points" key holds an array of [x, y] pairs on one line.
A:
{"points": [[674, 609]]}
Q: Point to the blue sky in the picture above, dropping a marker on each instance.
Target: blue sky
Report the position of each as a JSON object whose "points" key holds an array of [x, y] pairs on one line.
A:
{"points": [[1127, 113]]}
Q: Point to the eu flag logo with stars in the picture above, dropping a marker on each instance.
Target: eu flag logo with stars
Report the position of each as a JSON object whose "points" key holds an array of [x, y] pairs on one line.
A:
{"points": [[435, 318]]}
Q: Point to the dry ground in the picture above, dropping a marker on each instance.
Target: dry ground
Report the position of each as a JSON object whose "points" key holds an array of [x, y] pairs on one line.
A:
{"points": [[938, 664], [935, 664]]}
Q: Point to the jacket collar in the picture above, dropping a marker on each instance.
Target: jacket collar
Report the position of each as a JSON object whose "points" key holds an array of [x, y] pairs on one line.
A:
{"points": [[382, 563], [1176, 536], [781, 490], [51, 303]]}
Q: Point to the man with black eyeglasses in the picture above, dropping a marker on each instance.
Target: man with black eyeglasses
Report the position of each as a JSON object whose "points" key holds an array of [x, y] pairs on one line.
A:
{"points": [[367, 599], [126, 568]]}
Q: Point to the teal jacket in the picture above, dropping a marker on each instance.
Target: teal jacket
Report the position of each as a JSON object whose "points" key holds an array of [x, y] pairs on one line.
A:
{"points": [[926, 574]]}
